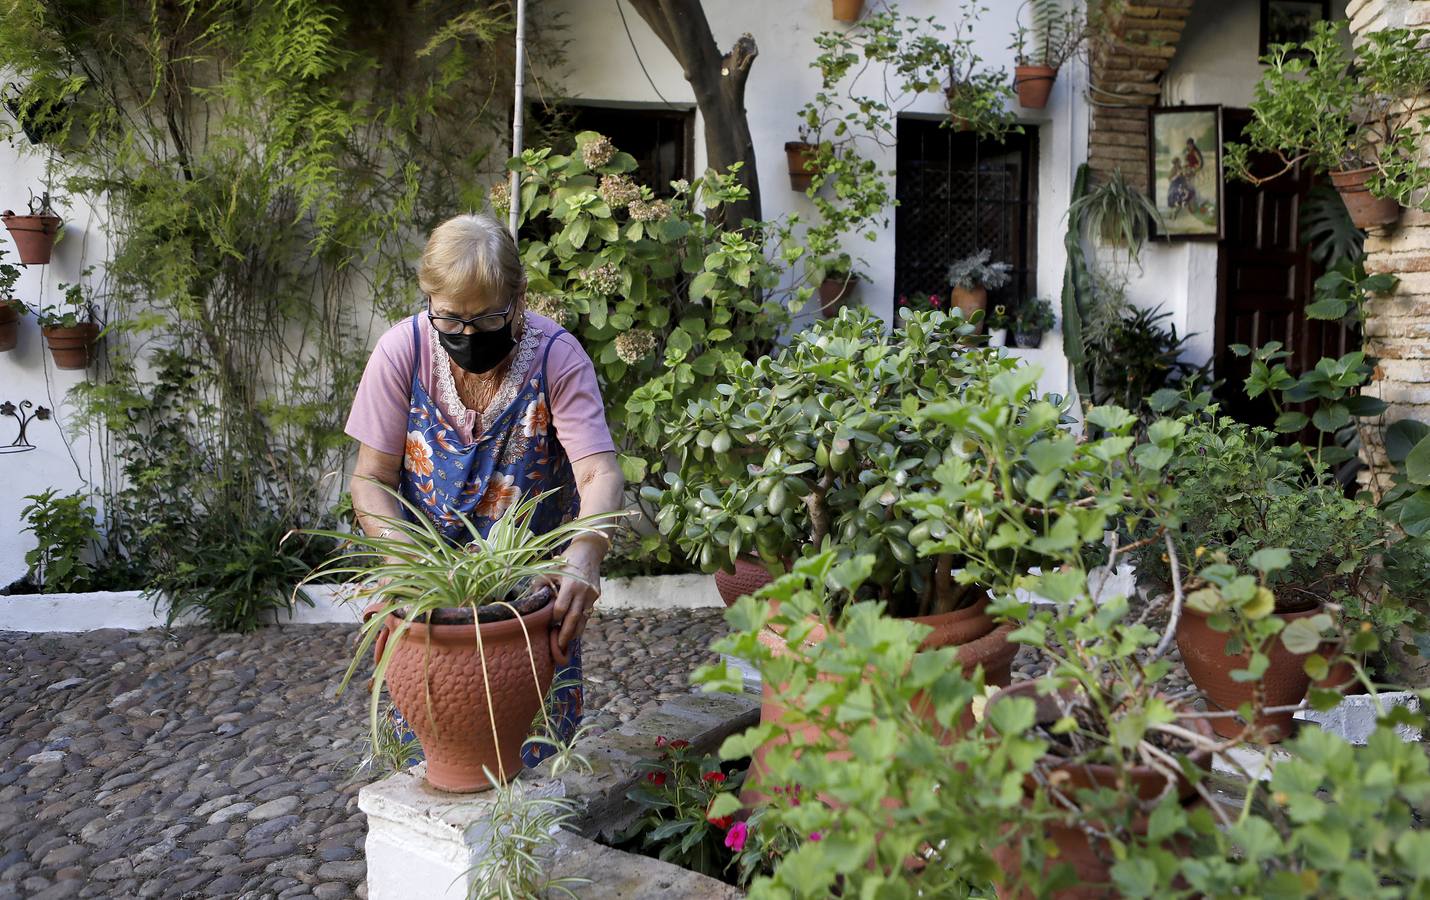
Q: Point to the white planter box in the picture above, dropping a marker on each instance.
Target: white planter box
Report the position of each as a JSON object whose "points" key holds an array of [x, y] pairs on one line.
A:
{"points": [[130, 610]]}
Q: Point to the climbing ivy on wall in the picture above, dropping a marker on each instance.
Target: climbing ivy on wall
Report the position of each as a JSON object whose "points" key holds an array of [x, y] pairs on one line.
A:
{"points": [[268, 170]]}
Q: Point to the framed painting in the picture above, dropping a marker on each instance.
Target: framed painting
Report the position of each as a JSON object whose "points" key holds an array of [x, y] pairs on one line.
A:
{"points": [[1184, 161], [1290, 21]]}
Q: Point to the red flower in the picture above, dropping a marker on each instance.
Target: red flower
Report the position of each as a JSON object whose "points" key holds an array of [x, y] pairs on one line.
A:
{"points": [[934, 301], [713, 777], [679, 745], [655, 778], [720, 822], [660, 740]]}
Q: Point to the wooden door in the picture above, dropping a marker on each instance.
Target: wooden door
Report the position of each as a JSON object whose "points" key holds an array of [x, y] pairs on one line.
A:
{"points": [[1265, 279]]}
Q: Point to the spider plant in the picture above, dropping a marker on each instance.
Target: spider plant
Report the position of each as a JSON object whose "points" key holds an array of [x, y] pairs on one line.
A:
{"points": [[417, 572], [1118, 213]]}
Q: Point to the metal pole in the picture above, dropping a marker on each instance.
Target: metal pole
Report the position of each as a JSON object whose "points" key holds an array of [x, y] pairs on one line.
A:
{"points": [[518, 114]]}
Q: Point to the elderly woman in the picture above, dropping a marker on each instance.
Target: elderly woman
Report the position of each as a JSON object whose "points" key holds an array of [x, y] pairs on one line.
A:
{"points": [[452, 411]]}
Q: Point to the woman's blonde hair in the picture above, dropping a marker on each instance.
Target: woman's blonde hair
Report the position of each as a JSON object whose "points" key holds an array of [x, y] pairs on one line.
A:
{"points": [[472, 260]]}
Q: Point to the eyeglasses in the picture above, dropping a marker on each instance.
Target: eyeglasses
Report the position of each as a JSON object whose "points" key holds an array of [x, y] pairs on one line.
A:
{"points": [[454, 325]]}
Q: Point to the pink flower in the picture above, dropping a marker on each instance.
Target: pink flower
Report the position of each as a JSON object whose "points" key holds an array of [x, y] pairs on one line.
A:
{"points": [[934, 301], [660, 740], [816, 836], [735, 837]]}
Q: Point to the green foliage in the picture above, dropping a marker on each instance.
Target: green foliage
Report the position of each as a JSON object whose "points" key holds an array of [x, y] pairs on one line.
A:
{"points": [[1058, 34], [1318, 104], [999, 317], [674, 797], [1077, 295], [976, 271], [1116, 213], [1326, 228], [1034, 315], [266, 168], [1407, 503], [9, 277], [815, 444], [1129, 353], [78, 307], [65, 532], [665, 297]]}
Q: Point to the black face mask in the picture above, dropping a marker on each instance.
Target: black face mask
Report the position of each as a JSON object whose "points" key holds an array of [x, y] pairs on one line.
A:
{"points": [[480, 352]]}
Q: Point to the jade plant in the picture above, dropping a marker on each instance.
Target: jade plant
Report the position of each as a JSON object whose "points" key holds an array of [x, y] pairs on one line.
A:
{"points": [[1321, 105], [812, 446]]}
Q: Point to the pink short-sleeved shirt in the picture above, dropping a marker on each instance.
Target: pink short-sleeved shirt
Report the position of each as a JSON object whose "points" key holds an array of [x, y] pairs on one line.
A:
{"points": [[379, 414]]}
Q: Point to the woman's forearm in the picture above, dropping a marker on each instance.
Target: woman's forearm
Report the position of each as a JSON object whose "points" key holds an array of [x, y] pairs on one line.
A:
{"points": [[601, 486]]}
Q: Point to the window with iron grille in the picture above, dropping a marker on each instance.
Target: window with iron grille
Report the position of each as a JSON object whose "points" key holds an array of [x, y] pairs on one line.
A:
{"points": [[957, 195]]}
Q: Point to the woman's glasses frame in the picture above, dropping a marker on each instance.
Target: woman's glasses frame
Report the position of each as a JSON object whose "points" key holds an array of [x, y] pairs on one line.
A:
{"points": [[486, 322]]}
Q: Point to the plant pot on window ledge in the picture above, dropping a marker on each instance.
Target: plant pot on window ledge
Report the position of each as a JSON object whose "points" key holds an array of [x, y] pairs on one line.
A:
{"points": [[72, 348], [1366, 209], [969, 300], [802, 167], [1027, 339], [1034, 84], [34, 235], [848, 10], [998, 337]]}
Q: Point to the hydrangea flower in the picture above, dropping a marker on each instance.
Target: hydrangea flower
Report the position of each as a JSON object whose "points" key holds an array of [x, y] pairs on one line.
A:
{"points": [[632, 347], [618, 191], [598, 152], [649, 210], [604, 280]]}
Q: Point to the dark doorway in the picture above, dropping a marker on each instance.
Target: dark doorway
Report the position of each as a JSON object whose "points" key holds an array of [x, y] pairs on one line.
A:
{"points": [[1265, 279], [957, 195], [660, 139]]}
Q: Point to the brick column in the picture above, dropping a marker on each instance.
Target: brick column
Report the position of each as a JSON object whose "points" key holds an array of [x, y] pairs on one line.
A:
{"points": [[1397, 329]]}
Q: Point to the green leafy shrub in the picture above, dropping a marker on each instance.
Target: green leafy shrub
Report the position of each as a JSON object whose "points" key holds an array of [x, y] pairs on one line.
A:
{"points": [[65, 531]]}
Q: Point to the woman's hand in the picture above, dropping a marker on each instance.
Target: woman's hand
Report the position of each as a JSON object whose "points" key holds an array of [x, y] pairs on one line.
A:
{"points": [[577, 588]]}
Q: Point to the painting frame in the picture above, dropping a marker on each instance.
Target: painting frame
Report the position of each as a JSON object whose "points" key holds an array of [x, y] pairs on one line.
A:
{"points": [[1273, 32], [1194, 130]]}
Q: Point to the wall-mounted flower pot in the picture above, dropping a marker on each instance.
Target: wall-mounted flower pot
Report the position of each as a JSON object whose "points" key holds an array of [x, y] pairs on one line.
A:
{"points": [[1034, 84], [72, 348], [1284, 683], [34, 236], [1027, 339], [802, 167], [441, 661], [9, 327], [832, 292], [1366, 209], [969, 300], [848, 10]]}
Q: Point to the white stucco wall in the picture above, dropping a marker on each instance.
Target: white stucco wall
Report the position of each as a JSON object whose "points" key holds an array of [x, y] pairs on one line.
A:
{"points": [[60, 460]]}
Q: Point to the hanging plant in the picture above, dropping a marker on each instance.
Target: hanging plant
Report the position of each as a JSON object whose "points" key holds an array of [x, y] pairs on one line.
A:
{"points": [[1117, 214], [41, 118], [1057, 36], [70, 329], [34, 234], [10, 309]]}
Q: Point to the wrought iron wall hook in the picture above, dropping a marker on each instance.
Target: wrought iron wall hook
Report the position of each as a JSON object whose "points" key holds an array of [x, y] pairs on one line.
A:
{"points": [[21, 415]]}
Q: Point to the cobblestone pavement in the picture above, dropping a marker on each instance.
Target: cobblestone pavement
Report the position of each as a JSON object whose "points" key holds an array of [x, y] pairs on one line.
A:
{"points": [[198, 764]]}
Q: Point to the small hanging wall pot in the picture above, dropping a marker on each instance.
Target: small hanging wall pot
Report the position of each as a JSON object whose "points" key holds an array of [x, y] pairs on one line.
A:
{"points": [[848, 10], [9, 327], [1034, 84], [1366, 209], [802, 168], [72, 348], [34, 234]]}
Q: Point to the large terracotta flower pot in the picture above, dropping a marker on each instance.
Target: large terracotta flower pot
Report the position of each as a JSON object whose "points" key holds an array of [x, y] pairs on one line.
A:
{"points": [[1284, 684], [833, 290], [1366, 210], [1090, 858], [749, 576], [969, 300], [458, 737], [1034, 84], [72, 348], [34, 236], [802, 168], [848, 10], [9, 327]]}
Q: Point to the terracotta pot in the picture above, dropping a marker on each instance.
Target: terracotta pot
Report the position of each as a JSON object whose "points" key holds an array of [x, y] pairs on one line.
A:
{"points": [[1366, 210], [848, 10], [802, 168], [457, 737], [1034, 84], [1341, 675], [72, 348], [970, 301], [34, 236], [1091, 860], [831, 291], [749, 576], [9, 327], [1210, 667], [1028, 340]]}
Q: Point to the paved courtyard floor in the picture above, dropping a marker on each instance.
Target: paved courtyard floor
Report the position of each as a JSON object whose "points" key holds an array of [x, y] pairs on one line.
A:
{"points": [[198, 764]]}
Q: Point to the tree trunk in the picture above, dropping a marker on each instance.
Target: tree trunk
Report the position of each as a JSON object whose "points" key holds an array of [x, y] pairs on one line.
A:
{"points": [[718, 80]]}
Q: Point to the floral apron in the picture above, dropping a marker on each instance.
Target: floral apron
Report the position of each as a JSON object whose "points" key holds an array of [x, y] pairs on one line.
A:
{"points": [[516, 455]]}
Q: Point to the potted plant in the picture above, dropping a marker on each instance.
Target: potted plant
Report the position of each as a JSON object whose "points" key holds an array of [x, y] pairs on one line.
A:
{"points": [[70, 329], [1117, 213], [801, 157], [1357, 120], [972, 278], [40, 118], [998, 322], [11, 309], [1034, 317], [978, 97], [839, 281], [34, 234], [461, 633], [848, 10], [1057, 36]]}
